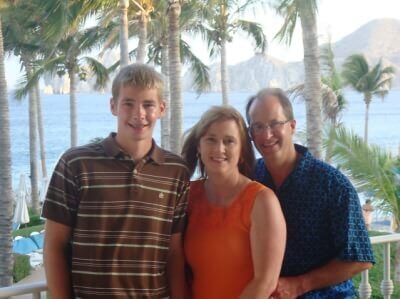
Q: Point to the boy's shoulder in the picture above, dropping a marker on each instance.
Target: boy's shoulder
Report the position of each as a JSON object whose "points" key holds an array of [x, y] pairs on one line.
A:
{"points": [[171, 159], [94, 149]]}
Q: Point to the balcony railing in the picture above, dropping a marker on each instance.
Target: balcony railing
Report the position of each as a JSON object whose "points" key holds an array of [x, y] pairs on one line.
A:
{"points": [[34, 288], [364, 289], [386, 288]]}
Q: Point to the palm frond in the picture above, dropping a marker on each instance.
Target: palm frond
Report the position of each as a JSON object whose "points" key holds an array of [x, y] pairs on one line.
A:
{"points": [[254, 30], [99, 70], [200, 72], [355, 68], [50, 66], [290, 11], [369, 166]]}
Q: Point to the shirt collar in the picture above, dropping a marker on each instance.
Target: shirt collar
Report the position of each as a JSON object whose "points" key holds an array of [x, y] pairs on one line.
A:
{"points": [[112, 149], [305, 159]]}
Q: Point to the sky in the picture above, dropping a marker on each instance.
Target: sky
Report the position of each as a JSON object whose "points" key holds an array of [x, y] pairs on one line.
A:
{"points": [[336, 17]]}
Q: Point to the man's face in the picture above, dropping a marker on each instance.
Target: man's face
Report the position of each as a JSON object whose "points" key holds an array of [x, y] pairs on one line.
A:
{"points": [[137, 110], [270, 129]]}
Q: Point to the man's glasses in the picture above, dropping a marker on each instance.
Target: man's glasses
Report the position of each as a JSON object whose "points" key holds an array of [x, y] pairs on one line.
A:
{"points": [[275, 126]]}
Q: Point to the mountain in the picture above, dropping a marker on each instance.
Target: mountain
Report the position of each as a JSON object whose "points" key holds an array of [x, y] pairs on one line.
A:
{"points": [[376, 39], [259, 71]]}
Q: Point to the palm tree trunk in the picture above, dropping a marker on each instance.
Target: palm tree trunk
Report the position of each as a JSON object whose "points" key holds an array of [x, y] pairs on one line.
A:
{"points": [[33, 138], [165, 121], [73, 117], [224, 73], [40, 130], [174, 12], [123, 32], [141, 53], [6, 201], [312, 82], [367, 102]]}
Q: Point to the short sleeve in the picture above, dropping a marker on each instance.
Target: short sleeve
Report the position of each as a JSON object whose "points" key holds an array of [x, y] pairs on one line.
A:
{"points": [[179, 221], [61, 200], [347, 225]]}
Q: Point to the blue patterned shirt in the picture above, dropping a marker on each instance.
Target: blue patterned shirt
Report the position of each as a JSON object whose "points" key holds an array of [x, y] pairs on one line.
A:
{"points": [[324, 221]]}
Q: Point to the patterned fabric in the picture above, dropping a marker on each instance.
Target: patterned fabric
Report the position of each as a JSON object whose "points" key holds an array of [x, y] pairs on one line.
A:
{"points": [[217, 243], [122, 215], [324, 220]]}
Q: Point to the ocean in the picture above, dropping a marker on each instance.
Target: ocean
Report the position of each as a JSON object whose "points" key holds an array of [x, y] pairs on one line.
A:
{"points": [[96, 120]]}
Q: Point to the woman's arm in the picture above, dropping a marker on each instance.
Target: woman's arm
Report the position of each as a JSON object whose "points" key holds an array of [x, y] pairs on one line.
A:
{"points": [[268, 239]]}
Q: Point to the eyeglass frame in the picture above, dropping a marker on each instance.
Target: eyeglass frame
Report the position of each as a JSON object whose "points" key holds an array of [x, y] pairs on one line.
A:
{"points": [[274, 126]]}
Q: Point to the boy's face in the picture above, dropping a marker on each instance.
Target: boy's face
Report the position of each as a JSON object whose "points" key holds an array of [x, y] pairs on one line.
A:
{"points": [[137, 110]]}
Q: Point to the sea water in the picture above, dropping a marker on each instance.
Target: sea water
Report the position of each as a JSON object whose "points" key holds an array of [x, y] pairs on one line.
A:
{"points": [[96, 120]]}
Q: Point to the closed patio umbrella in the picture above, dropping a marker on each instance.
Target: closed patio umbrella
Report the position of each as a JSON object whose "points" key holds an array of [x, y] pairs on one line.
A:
{"points": [[21, 214]]}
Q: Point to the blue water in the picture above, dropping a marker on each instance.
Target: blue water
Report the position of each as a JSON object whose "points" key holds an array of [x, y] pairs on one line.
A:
{"points": [[95, 120]]}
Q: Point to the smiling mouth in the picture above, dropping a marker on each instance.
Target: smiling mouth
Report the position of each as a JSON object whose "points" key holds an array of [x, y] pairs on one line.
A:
{"points": [[268, 145], [219, 160], [138, 126]]}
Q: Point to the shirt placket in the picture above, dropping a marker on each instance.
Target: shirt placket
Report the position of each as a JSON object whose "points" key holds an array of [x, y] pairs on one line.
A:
{"points": [[135, 175]]}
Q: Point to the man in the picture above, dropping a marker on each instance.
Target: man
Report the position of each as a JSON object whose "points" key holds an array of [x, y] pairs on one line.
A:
{"points": [[115, 210], [327, 242]]}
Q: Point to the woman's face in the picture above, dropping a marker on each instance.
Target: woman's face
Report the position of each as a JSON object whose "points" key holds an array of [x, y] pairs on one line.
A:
{"points": [[220, 148]]}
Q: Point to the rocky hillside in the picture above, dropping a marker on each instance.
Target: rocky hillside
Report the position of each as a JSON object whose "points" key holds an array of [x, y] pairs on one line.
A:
{"points": [[376, 39]]}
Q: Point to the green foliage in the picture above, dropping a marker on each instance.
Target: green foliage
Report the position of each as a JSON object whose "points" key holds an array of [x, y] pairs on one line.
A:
{"points": [[35, 220], [371, 169], [331, 76], [21, 267], [370, 81], [221, 22], [291, 11], [158, 40], [25, 232]]}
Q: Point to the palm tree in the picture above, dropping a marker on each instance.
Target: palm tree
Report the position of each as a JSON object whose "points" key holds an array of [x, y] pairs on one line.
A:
{"points": [[21, 37], [175, 84], [221, 22], [40, 131], [333, 80], [370, 81], [158, 54], [123, 33], [68, 59], [133, 19], [306, 11], [6, 200], [372, 170], [144, 7]]}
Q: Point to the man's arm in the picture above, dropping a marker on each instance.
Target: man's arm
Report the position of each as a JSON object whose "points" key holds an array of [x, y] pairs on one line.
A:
{"points": [[56, 244], [175, 267], [334, 272]]}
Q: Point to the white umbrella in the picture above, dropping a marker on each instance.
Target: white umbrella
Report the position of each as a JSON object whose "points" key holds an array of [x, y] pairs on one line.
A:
{"points": [[21, 214], [43, 189]]}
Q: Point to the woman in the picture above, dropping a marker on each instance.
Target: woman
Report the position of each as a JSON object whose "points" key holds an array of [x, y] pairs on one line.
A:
{"points": [[236, 235]]}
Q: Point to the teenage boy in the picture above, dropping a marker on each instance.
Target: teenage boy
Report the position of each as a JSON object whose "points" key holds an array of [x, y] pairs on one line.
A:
{"points": [[115, 210]]}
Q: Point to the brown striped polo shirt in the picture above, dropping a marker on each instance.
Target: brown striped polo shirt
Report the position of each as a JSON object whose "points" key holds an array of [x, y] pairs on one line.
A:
{"points": [[122, 216]]}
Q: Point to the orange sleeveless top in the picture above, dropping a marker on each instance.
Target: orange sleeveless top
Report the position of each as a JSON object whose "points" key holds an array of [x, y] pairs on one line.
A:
{"points": [[217, 243]]}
